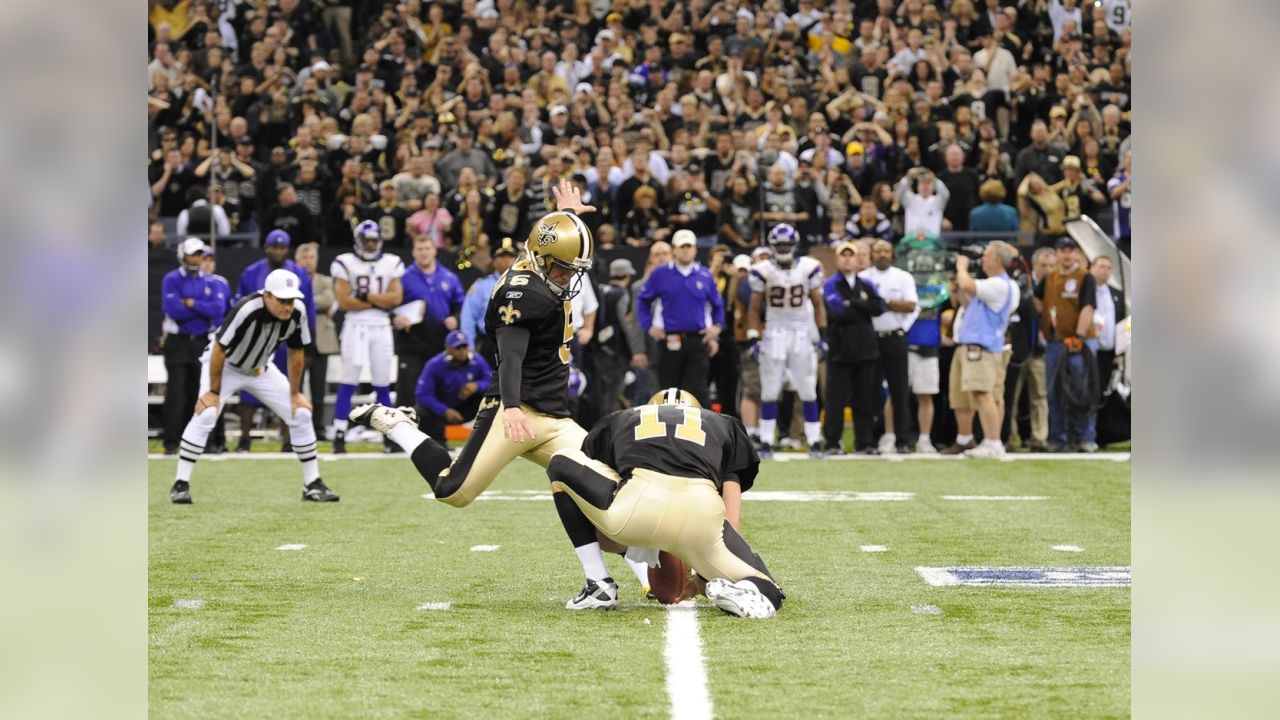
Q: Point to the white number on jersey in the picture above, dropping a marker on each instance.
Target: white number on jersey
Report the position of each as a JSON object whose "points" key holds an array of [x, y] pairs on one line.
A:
{"points": [[786, 290]]}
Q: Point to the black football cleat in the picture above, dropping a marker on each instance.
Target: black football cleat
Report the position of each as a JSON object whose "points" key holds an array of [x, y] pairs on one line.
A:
{"points": [[339, 443], [180, 493], [318, 492]]}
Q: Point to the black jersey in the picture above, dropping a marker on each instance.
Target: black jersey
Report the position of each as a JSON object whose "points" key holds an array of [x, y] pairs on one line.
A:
{"points": [[674, 440], [522, 299]]}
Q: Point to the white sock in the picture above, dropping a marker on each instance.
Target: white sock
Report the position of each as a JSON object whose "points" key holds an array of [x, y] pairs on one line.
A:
{"points": [[592, 561], [767, 428], [812, 432], [340, 425], [964, 439], [924, 438], [640, 569], [753, 432], [888, 439], [310, 471], [994, 444], [185, 468], [406, 436]]}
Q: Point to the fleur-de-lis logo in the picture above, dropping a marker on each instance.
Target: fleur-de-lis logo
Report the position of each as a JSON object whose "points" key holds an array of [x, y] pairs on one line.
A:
{"points": [[508, 313], [546, 234]]}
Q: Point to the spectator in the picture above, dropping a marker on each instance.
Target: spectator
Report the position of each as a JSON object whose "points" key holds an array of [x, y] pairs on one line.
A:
{"points": [[1110, 311], [1067, 298], [465, 155], [512, 201], [693, 207], [307, 257], [898, 290], [993, 216], [977, 376], [1040, 210], [644, 223], [868, 223], [450, 387], [1120, 188], [737, 228], [169, 183], [415, 183], [1078, 193], [200, 218], [962, 183], [420, 332], [1031, 378], [390, 216], [156, 235], [1039, 157], [290, 216], [924, 203], [852, 367], [432, 221], [692, 316]]}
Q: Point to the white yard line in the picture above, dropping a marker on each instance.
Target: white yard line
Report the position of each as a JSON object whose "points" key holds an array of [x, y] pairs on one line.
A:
{"points": [[995, 497], [686, 672]]}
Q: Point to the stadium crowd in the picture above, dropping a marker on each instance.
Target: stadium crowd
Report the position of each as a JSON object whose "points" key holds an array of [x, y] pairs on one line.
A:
{"points": [[447, 123]]}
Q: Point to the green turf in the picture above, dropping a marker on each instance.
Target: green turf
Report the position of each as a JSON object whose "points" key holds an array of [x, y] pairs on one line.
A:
{"points": [[332, 630]]}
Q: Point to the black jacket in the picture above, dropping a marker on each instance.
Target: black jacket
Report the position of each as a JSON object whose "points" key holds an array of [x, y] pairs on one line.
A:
{"points": [[851, 337]]}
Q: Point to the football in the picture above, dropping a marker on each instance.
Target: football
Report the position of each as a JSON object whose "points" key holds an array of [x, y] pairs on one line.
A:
{"points": [[667, 581]]}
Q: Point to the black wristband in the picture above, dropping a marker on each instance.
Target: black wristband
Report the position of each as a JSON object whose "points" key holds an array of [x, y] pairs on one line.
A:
{"points": [[822, 334]]}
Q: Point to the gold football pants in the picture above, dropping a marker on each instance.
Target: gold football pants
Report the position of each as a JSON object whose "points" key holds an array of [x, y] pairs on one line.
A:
{"points": [[684, 516], [488, 450]]}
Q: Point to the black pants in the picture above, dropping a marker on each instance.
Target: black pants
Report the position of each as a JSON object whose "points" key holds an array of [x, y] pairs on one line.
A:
{"points": [[434, 425], [317, 379], [407, 379], [686, 368], [606, 380], [893, 360], [1106, 365], [856, 381], [1011, 414], [182, 364], [725, 370]]}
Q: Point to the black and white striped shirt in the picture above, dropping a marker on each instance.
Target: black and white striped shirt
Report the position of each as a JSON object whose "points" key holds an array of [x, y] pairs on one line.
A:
{"points": [[251, 334]]}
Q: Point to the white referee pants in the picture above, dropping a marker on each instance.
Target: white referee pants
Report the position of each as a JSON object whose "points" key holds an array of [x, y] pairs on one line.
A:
{"points": [[272, 388]]}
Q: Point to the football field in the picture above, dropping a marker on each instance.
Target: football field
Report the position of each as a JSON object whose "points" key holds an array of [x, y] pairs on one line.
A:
{"points": [[916, 589]]}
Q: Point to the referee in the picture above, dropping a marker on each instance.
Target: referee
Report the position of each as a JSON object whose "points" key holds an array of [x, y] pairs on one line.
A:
{"points": [[240, 359]]}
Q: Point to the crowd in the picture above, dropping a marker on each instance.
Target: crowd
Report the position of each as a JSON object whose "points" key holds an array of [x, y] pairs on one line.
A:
{"points": [[695, 129]]}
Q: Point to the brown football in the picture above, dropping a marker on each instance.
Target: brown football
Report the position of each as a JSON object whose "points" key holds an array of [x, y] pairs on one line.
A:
{"points": [[667, 581]]}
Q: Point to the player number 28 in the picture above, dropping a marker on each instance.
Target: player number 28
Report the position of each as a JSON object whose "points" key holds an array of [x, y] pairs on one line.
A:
{"points": [[781, 296], [689, 429]]}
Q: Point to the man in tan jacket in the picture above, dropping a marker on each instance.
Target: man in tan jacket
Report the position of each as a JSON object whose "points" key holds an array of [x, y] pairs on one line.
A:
{"points": [[326, 337]]}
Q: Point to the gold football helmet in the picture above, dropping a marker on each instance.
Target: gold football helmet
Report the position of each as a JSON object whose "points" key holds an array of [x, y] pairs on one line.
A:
{"points": [[560, 239], [674, 396]]}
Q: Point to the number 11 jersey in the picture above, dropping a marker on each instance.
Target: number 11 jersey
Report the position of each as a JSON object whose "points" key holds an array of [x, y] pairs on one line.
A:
{"points": [[674, 440]]}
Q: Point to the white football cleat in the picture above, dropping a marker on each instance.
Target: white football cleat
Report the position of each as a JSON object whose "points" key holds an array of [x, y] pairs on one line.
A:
{"points": [[740, 598], [925, 447], [886, 445], [985, 451], [381, 417]]}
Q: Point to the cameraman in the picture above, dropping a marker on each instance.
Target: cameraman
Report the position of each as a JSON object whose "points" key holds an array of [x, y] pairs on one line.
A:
{"points": [[989, 304]]}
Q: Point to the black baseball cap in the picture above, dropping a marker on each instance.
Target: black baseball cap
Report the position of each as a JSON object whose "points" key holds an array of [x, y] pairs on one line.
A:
{"points": [[1066, 242]]}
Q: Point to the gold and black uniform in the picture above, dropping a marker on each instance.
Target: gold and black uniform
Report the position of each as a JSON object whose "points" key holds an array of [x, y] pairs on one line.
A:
{"points": [[675, 440], [529, 319], [523, 303], [651, 476]]}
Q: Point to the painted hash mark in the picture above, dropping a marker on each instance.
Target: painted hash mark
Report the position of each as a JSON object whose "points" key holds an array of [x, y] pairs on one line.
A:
{"points": [[875, 548], [926, 609], [1027, 576], [1068, 548], [291, 546], [188, 604], [435, 606], [484, 548]]}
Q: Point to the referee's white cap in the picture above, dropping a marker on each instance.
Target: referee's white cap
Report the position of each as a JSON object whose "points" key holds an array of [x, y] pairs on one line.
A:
{"points": [[283, 284]]}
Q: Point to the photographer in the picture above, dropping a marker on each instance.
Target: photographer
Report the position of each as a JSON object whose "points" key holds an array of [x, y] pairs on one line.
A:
{"points": [[978, 375]]}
